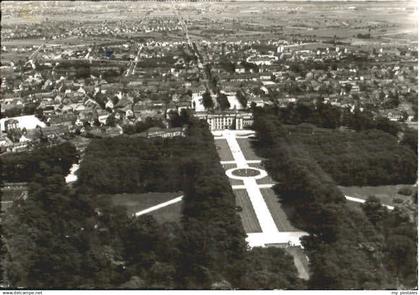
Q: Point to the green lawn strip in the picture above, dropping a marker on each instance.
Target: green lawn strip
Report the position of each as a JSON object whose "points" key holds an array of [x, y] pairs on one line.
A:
{"points": [[248, 216], [247, 150], [277, 211], [223, 150]]}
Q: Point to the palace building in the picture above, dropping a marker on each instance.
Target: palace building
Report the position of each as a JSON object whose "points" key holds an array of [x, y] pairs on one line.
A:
{"points": [[226, 120]]}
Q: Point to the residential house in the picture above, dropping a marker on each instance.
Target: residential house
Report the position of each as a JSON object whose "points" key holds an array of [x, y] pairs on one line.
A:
{"points": [[53, 132], [165, 133], [67, 119]]}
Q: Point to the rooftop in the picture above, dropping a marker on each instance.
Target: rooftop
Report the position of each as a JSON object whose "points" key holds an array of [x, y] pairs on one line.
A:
{"points": [[28, 122]]}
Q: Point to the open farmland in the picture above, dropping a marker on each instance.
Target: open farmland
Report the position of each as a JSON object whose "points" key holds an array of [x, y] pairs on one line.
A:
{"points": [[247, 19]]}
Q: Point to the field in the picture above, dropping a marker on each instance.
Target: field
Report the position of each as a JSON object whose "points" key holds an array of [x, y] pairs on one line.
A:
{"points": [[137, 202], [387, 21], [248, 217], [277, 211], [385, 193]]}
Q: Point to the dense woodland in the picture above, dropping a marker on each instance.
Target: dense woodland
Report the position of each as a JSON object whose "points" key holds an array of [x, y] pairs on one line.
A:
{"points": [[369, 157], [357, 148], [326, 115], [22, 167], [62, 237], [346, 248], [153, 165], [400, 239]]}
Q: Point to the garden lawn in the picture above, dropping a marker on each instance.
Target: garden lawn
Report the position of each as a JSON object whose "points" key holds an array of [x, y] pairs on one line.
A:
{"points": [[385, 193], [248, 217]]}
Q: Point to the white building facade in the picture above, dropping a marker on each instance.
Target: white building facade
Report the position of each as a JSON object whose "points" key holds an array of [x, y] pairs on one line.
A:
{"points": [[226, 120]]}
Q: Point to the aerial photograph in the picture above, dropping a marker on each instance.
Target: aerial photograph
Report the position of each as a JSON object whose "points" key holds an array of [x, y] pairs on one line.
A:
{"points": [[209, 145]]}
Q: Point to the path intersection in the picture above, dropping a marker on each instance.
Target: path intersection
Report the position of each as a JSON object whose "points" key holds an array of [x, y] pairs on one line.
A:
{"points": [[270, 234]]}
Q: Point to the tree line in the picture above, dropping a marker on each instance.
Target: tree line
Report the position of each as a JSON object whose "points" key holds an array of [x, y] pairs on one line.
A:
{"points": [[370, 157], [64, 238], [142, 126], [400, 241], [326, 115], [344, 248], [214, 241]]}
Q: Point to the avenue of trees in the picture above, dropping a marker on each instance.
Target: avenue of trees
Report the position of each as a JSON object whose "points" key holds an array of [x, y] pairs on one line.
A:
{"points": [[179, 119], [345, 249], [221, 98], [223, 101], [207, 100], [214, 248], [240, 95]]}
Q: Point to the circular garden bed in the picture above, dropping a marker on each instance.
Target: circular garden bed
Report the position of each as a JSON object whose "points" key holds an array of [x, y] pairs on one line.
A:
{"points": [[246, 172]]}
